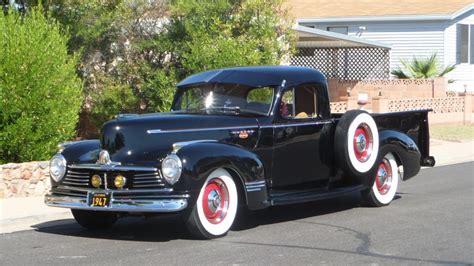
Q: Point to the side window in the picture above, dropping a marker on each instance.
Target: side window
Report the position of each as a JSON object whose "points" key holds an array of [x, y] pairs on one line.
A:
{"points": [[300, 102]]}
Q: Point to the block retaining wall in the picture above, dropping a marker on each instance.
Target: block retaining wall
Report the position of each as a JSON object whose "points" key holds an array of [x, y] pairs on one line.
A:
{"points": [[24, 179]]}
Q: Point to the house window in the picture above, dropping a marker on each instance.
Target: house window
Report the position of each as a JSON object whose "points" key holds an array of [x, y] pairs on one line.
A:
{"points": [[465, 44], [338, 29]]}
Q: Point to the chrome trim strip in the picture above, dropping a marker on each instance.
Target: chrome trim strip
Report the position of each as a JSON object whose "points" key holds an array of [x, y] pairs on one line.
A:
{"points": [[256, 186], [146, 181], [77, 179], [120, 198], [178, 145], [112, 167], [255, 182], [162, 205], [76, 184], [300, 124], [149, 185], [147, 174], [146, 178], [70, 194], [77, 176], [253, 189], [237, 132], [79, 182], [77, 173], [159, 131], [158, 190]]}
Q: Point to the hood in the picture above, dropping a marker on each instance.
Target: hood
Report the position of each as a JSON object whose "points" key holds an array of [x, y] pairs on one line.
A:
{"points": [[144, 139]]}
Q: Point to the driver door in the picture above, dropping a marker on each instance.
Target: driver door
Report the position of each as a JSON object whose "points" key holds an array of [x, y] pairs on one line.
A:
{"points": [[297, 133]]}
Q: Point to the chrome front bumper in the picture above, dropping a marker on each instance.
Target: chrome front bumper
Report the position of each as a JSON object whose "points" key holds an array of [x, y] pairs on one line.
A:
{"points": [[172, 203]]}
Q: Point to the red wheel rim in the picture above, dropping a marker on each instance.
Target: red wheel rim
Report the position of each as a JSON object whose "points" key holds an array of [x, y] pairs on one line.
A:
{"points": [[215, 200], [363, 143], [383, 180]]}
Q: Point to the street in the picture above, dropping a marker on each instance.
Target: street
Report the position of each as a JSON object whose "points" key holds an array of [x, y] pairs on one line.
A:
{"points": [[430, 222]]}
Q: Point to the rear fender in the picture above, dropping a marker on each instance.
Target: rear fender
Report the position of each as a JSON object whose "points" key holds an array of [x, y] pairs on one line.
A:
{"points": [[405, 149], [201, 158]]}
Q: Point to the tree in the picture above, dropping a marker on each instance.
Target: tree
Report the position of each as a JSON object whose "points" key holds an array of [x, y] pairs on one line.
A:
{"points": [[133, 52], [204, 35], [114, 68], [40, 93], [422, 68]]}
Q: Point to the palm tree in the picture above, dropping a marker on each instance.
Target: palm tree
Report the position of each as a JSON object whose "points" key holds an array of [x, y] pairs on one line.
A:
{"points": [[421, 68]]}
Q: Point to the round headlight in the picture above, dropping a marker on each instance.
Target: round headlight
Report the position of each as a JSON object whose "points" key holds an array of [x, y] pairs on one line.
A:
{"points": [[171, 168], [57, 167]]}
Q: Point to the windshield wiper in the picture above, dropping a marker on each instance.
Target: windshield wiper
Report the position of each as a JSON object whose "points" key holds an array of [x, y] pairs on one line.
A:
{"points": [[234, 109]]}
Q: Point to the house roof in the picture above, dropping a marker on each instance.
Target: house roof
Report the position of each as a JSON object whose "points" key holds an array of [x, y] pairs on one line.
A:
{"points": [[309, 37], [360, 9]]}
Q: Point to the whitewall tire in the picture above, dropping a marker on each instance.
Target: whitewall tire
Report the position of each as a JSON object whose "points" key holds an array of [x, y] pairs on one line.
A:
{"points": [[356, 145], [385, 186], [363, 143], [216, 206]]}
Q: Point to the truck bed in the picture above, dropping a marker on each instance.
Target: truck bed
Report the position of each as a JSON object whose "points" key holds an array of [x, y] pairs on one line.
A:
{"points": [[412, 123]]}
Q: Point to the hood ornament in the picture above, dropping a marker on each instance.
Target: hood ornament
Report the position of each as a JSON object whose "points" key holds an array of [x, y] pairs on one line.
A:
{"points": [[104, 159]]}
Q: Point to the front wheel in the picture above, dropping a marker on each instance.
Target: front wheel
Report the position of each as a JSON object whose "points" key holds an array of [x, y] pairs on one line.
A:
{"points": [[385, 185], [216, 207], [94, 219]]}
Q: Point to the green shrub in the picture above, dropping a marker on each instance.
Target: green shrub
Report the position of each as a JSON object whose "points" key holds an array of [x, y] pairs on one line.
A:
{"points": [[422, 68], [40, 94], [131, 57]]}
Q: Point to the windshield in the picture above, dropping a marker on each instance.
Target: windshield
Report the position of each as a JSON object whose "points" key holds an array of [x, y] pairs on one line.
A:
{"points": [[224, 98]]}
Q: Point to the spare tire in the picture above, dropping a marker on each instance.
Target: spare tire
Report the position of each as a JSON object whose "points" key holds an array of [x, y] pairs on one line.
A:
{"points": [[356, 145]]}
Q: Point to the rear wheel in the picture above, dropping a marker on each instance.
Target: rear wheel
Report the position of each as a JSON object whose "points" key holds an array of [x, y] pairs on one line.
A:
{"points": [[385, 185], [216, 207], [95, 219]]}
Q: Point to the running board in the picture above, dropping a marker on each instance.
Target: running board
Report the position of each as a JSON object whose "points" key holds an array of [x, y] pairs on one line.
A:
{"points": [[291, 197]]}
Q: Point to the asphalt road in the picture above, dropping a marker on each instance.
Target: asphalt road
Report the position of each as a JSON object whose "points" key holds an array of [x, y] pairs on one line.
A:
{"points": [[430, 222]]}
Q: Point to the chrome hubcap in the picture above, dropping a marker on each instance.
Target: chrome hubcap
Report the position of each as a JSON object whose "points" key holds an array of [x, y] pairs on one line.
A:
{"points": [[213, 200], [383, 180], [382, 175], [361, 142]]}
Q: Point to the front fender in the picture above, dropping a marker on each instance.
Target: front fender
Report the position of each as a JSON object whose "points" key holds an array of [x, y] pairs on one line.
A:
{"points": [[84, 151], [200, 159], [405, 149]]}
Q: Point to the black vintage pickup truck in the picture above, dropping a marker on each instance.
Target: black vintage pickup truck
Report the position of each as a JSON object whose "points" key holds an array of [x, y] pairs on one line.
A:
{"points": [[237, 139]]}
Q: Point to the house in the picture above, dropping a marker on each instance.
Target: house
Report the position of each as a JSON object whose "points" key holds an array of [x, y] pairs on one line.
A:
{"points": [[404, 28]]}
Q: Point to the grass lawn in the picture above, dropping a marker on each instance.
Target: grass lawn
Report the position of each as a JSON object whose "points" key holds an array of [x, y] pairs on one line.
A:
{"points": [[452, 132]]}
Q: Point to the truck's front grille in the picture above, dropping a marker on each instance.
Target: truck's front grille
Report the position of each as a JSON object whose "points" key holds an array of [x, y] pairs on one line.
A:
{"points": [[76, 179], [81, 178], [148, 180]]}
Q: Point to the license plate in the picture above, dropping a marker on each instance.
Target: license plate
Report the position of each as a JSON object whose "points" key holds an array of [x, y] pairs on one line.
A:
{"points": [[99, 199]]}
